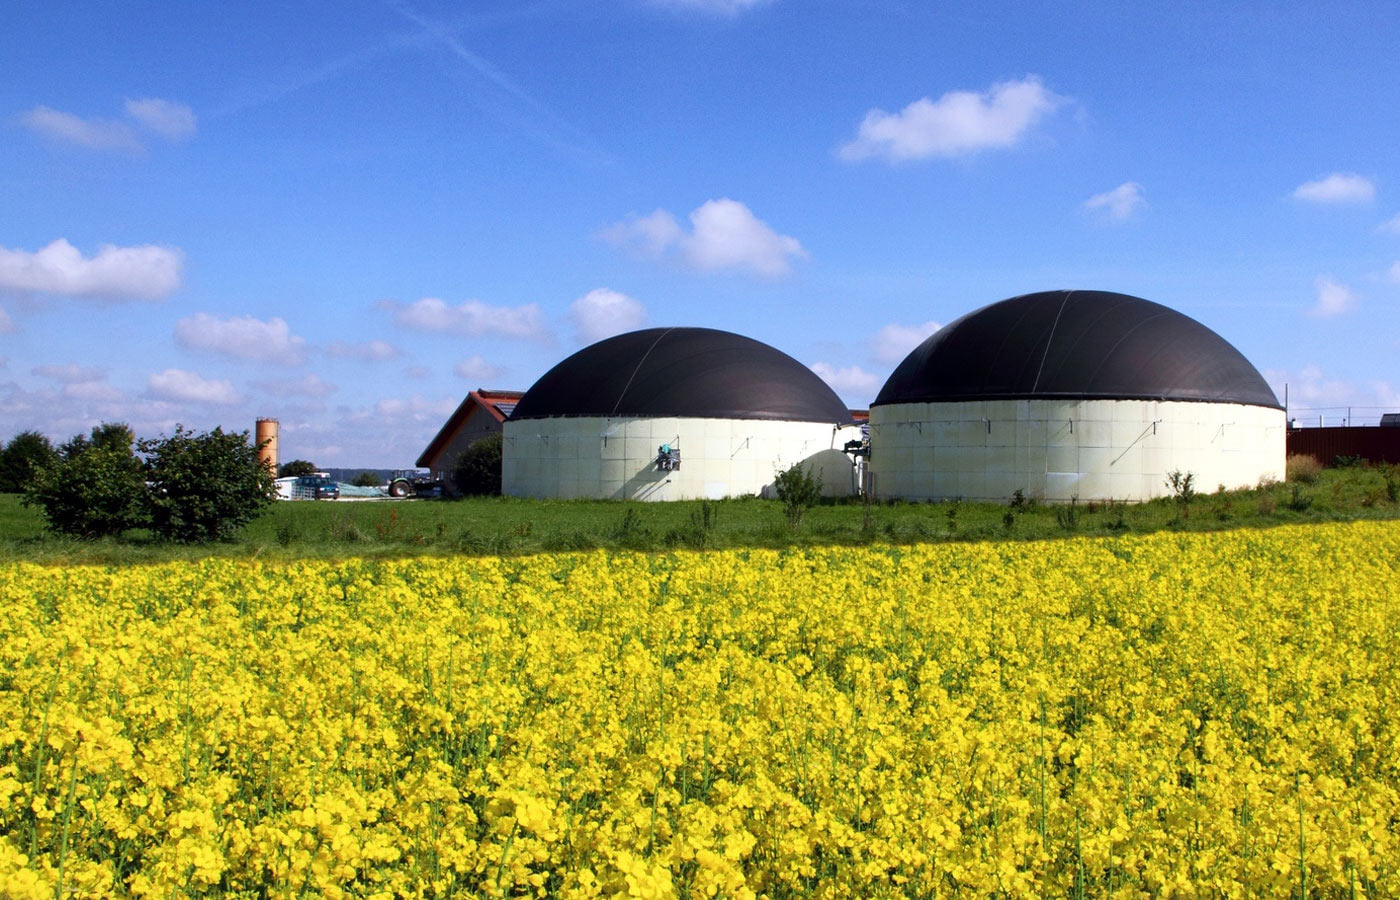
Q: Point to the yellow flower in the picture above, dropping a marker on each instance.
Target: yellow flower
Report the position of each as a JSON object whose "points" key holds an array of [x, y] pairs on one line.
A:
{"points": [[1175, 713]]}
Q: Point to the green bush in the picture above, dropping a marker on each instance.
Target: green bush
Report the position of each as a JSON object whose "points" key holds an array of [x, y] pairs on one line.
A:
{"points": [[93, 492], [1183, 488], [630, 531], [25, 454], [799, 489], [366, 479], [204, 487], [1067, 517], [478, 469]]}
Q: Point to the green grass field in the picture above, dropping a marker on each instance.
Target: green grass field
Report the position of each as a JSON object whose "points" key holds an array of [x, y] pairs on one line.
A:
{"points": [[503, 525]]}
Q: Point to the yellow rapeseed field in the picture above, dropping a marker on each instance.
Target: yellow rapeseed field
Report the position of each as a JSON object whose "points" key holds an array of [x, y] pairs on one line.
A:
{"points": [[1169, 715]]}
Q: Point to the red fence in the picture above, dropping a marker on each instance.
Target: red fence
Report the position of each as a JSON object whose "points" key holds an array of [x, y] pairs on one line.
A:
{"points": [[1371, 443]]}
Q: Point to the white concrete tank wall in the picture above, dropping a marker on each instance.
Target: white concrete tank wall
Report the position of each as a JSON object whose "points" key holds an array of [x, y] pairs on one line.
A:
{"points": [[1058, 449], [615, 458]]}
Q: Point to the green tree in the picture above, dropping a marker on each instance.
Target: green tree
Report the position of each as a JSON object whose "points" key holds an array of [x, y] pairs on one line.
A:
{"points": [[204, 487], [114, 435], [366, 479], [109, 435], [89, 493], [295, 468], [799, 488], [75, 446], [25, 454], [478, 469]]}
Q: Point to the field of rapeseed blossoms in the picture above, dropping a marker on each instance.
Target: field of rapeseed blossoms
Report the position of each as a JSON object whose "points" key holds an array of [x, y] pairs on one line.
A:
{"points": [[1144, 716]]}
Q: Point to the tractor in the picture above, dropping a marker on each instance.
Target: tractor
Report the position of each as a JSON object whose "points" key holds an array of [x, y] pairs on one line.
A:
{"points": [[413, 483]]}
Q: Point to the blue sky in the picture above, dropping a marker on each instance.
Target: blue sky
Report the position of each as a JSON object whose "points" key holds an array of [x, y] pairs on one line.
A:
{"points": [[347, 216]]}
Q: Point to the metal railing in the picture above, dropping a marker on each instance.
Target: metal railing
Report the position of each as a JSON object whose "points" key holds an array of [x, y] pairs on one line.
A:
{"points": [[1336, 416]]}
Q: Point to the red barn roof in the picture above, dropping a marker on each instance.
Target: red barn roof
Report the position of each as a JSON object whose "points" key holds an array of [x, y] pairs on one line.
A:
{"points": [[498, 404]]}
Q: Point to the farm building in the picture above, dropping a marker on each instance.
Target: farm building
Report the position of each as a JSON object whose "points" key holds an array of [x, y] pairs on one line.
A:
{"points": [[479, 415], [671, 414], [1066, 394], [1373, 443]]}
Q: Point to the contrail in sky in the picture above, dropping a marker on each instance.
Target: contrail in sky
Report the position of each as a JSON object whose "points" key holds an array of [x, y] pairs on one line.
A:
{"points": [[530, 115], [577, 142]]}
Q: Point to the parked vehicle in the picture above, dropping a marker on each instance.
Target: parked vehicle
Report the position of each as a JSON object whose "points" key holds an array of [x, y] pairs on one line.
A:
{"points": [[321, 486], [412, 483], [318, 486]]}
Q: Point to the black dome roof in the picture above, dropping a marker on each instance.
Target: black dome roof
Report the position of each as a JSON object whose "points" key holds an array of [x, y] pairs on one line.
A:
{"points": [[1081, 344], [692, 372]]}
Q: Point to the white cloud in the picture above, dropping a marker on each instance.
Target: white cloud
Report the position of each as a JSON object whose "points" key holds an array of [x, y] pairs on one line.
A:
{"points": [[387, 433], [957, 124], [415, 408], [329, 453], [475, 368], [1393, 273], [147, 272], [652, 235], [1309, 387], [173, 121], [1385, 394], [725, 234], [242, 337], [1120, 203], [893, 342], [602, 313], [76, 408], [1390, 225], [181, 386], [95, 134], [83, 383], [69, 374], [308, 385], [93, 392], [471, 319], [1339, 187], [851, 380], [1333, 298], [368, 351], [1312, 392], [714, 7], [7, 325]]}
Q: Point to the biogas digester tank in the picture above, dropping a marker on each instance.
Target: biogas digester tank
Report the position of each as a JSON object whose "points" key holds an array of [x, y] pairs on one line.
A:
{"points": [[672, 414], [1072, 394]]}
